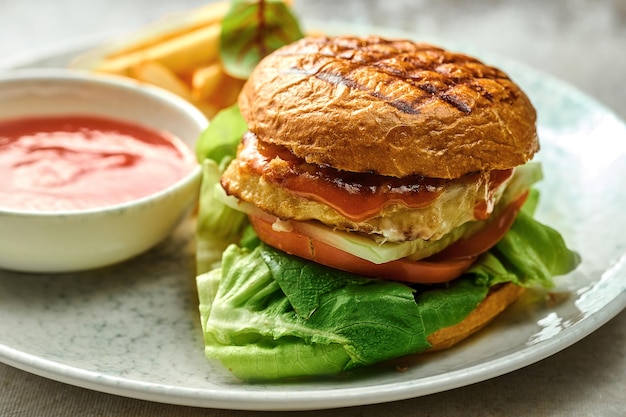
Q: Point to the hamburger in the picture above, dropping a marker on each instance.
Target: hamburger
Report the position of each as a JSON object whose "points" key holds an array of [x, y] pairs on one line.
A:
{"points": [[372, 199]]}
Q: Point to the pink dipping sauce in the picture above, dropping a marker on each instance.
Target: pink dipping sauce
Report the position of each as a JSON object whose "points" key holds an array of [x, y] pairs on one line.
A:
{"points": [[63, 163]]}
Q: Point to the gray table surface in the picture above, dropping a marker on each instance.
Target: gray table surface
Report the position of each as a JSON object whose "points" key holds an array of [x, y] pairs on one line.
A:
{"points": [[580, 41]]}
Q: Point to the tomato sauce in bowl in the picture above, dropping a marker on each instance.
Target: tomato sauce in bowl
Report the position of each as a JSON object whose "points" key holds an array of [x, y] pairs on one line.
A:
{"points": [[94, 169], [76, 162]]}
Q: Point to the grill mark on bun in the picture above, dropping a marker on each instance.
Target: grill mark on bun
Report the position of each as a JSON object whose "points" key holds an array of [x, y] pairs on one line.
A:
{"points": [[412, 60], [400, 62], [456, 103], [337, 79]]}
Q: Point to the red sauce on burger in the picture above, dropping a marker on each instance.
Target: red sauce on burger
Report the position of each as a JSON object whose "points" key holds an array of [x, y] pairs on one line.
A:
{"points": [[357, 196]]}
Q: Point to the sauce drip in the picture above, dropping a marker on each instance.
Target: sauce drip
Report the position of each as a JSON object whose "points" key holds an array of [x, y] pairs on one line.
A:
{"points": [[484, 208], [59, 163]]}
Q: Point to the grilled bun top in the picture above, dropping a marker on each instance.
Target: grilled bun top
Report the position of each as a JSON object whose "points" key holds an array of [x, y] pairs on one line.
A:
{"points": [[390, 107]]}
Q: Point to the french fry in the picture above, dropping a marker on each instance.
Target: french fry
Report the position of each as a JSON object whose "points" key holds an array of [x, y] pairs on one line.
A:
{"points": [[206, 80], [207, 108], [179, 54], [211, 13], [172, 26], [154, 73], [227, 93]]}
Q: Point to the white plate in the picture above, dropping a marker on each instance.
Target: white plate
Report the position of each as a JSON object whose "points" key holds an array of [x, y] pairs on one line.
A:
{"points": [[133, 329]]}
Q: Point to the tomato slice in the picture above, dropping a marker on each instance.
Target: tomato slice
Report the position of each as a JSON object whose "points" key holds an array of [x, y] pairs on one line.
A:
{"points": [[443, 267], [401, 270]]}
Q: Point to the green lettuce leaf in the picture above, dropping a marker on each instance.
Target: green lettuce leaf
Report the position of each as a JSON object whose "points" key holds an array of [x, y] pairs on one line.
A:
{"points": [[276, 316], [223, 135], [253, 29], [218, 225], [534, 253], [530, 254]]}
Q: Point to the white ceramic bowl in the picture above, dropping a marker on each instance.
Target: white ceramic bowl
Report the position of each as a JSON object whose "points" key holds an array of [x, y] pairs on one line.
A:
{"points": [[92, 238]]}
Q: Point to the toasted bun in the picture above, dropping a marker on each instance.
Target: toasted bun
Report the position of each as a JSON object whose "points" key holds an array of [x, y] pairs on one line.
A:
{"points": [[496, 302], [391, 107]]}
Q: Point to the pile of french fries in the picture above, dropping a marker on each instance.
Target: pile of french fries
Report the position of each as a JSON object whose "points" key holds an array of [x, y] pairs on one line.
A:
{"points": [[183, 59]]}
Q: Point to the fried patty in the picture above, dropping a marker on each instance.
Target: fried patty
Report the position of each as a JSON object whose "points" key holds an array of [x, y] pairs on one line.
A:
{"points": [[260, 179]]}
